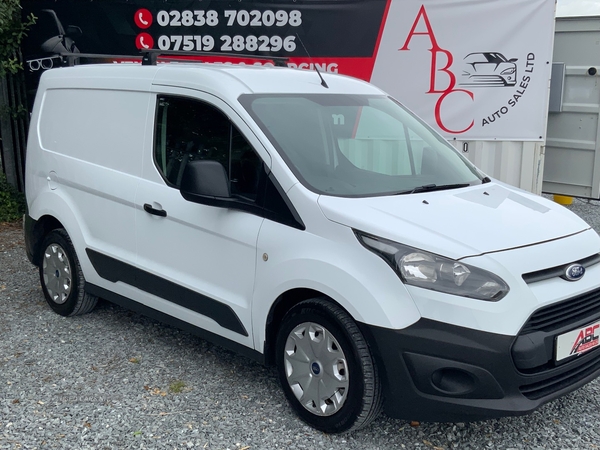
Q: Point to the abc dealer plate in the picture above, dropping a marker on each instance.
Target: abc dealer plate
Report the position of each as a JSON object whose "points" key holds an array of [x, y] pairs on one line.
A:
{"points": [[578, 341]]}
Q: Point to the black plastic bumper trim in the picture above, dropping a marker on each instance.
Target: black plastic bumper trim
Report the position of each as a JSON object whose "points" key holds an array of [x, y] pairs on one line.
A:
{"points": [[563, 379], [433, 371]]}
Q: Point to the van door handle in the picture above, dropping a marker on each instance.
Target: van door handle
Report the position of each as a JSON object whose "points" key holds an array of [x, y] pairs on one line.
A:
{"points": [[157, 212]]}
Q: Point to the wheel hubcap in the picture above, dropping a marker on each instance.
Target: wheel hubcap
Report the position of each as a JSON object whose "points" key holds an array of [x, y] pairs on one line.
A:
{"points": [[316, 369], [57, 273]]}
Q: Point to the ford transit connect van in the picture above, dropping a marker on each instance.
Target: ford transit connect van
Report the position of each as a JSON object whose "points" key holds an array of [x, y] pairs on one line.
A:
{"points": [[314, 224]]}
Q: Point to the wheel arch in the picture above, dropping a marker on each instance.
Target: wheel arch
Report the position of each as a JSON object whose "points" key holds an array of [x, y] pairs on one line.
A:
{"points": [[48, 211], [285, 302], [44, 225]]}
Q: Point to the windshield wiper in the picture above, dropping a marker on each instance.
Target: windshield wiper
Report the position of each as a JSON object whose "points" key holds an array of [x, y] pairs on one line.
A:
{"points": [[434, 187]]}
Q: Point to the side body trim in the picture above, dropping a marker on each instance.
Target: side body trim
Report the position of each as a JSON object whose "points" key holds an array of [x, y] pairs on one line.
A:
{"points": [[173, 321], [114, 270]]}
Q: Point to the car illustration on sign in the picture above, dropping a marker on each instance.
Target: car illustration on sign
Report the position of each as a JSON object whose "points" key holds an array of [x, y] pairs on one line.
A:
{"points": [[489, 69]]}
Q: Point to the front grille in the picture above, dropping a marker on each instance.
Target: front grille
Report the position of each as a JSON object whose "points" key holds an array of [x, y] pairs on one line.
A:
{"points": [[563, 313], [558, 271], [551, 321], [563, 380]]}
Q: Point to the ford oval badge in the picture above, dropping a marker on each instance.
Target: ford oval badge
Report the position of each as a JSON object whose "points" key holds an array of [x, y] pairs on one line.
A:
{"points": [[574, 272]]}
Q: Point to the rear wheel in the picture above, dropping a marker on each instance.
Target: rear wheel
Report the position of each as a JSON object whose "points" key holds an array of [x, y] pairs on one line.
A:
{"points": [[326, 368], [61, 276]]}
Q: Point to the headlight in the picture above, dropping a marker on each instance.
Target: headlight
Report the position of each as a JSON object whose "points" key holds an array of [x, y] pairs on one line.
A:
{"points": [[430, 271], [508, 71]]}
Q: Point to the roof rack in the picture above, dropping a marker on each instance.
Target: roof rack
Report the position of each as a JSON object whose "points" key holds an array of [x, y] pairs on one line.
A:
{"points": [[150, 57], [70, 59]]}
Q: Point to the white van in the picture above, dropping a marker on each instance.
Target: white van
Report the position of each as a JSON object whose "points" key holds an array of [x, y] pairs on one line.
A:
{"points": [[314, 224]]}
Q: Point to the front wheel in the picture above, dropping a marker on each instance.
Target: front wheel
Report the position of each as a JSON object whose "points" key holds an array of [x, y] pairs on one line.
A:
{"points": [[326, 368], [61, 276]]}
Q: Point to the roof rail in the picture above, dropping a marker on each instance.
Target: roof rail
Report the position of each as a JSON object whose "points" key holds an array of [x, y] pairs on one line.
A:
{"points": [[70, 59], [151, 56]]}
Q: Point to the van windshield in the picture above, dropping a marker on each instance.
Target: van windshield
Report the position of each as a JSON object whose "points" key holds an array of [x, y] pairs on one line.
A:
{"points": [[358, 146]]}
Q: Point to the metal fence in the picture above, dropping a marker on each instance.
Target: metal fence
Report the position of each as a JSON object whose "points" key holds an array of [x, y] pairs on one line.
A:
{"points": [[14, 124]]}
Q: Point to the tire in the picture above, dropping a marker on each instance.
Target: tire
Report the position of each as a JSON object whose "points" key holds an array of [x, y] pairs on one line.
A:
{"points": [[61, 277], [326, 369]]}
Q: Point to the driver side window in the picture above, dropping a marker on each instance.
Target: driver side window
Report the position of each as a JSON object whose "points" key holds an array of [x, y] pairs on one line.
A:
{"points": [[188, 130]]}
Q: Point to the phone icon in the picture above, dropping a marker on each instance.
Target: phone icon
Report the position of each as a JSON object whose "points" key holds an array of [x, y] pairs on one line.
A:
{"points": [[144, 41], [143, 18]]}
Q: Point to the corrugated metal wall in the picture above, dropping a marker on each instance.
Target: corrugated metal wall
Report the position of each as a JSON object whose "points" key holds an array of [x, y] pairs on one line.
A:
{"points": [[520, 164], [517, 163]]}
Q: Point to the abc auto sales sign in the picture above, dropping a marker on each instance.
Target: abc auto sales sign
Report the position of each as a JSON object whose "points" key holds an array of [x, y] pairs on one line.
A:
{"points": [[473, 69]]}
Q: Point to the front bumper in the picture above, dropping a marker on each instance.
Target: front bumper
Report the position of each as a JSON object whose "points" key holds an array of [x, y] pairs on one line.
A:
{"points": [[433, 371]]}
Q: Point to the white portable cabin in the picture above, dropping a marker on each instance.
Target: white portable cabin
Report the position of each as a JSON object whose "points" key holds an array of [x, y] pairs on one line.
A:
{"points": [[572, 164]]}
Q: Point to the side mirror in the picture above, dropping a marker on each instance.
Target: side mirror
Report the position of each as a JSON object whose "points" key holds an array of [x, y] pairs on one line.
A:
{"points": [[205, 182], [73, 32]]}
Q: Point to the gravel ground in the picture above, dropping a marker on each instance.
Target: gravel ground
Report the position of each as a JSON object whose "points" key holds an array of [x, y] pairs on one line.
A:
{"points": [[115, 379]]}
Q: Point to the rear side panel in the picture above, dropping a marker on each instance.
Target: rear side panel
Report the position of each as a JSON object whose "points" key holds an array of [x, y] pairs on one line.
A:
{"points": [[85, 157]]}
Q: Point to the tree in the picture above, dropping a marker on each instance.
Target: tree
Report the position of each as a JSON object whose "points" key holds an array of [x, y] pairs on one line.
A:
{"points": [[13, 123], [12, 32]]}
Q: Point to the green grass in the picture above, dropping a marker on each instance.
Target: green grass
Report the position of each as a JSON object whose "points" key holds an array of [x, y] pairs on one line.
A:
{"points": [[176, 387], [12, 202]]}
